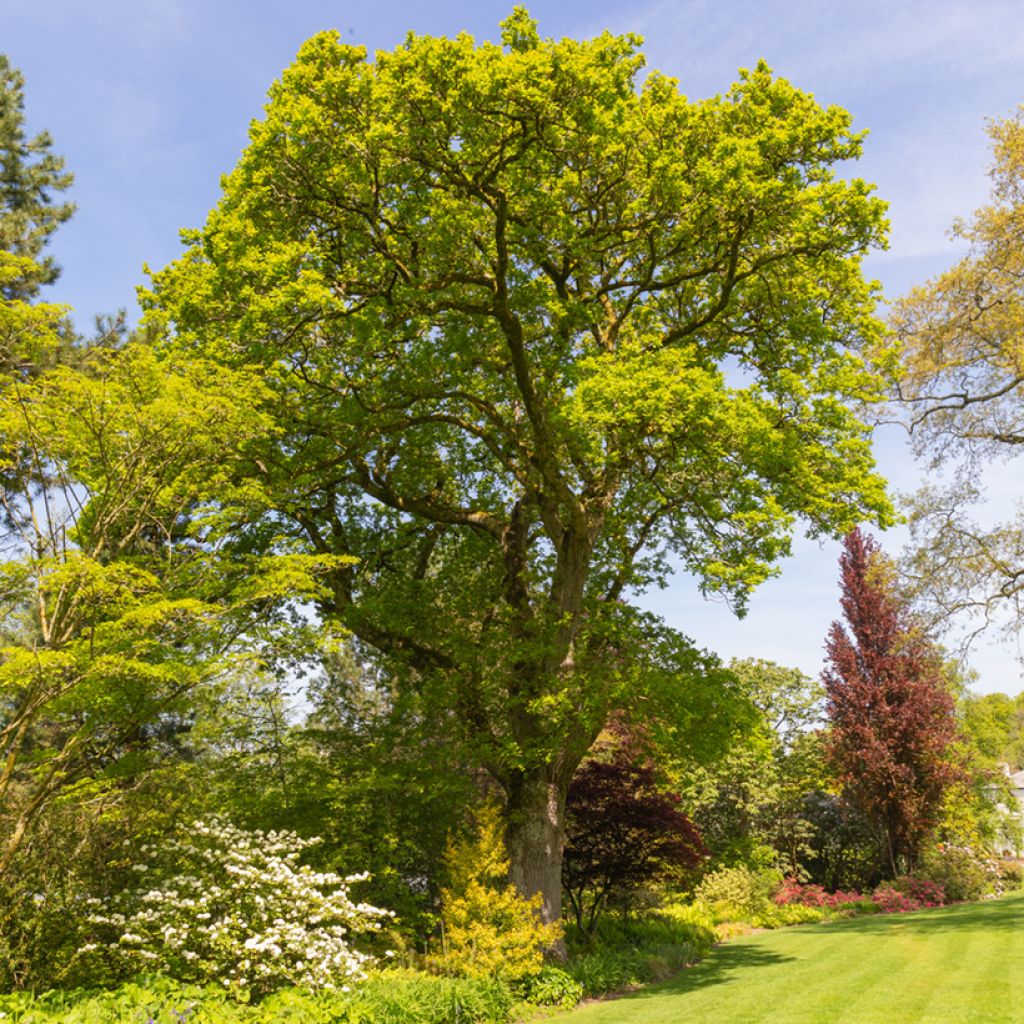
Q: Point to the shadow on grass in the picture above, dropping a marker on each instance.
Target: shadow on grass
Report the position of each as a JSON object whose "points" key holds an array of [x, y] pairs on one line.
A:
{"points": [[1002, 916], [717, 968]]}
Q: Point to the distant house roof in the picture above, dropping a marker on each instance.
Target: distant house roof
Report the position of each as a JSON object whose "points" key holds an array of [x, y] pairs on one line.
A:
{"points": [[1017, 779]]}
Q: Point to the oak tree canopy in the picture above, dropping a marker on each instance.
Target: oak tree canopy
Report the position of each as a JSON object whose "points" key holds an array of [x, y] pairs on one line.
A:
{"points": [[538, 333]]}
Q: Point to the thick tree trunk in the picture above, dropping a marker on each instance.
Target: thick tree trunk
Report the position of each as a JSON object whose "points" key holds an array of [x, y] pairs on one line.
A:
{"points": [[536, 815]]}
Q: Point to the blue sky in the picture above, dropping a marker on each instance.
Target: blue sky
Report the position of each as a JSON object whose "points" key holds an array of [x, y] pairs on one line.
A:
{"points": [[150, 100]]}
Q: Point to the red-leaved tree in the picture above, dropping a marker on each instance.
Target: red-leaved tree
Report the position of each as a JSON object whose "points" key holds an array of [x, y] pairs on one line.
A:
{"points": [[623, 831], [890, 710]]}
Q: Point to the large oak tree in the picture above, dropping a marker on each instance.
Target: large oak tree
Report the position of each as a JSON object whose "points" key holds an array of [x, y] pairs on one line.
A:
{"points": [[539, 335]]}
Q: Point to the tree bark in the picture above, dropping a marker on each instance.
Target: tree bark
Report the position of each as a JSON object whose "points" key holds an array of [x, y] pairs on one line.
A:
{"points": [[536, 818]]}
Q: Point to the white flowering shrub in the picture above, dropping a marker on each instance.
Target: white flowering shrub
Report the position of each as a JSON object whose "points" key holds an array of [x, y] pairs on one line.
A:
{"points": [[241, 910], [964, 872]]}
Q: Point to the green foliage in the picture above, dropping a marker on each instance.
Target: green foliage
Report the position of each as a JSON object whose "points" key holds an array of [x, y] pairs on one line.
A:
{"points": [[994, 724], [30, 334], [964, 873], [980, 810], [609, 970], [738, 893], [411, 997], [124, 598], [1011, 875], [856, 908], [792, 913], [489, 929], [394, 997], [749, 803], [499, 294], [31, 173], [842, 852], [624, 952], [553, 986], [81, 846], [369, 770]]}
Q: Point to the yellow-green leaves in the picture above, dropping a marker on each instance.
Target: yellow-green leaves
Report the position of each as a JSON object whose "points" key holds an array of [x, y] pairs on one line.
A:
{"points": [[489, 930], [125, 485], [536, 336]]}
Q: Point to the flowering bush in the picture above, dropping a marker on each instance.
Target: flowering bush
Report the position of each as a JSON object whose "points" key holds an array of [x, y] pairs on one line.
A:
{"points": [[964, 873], [891, 900], [903, 894], [240, 910], [926, 892], [792, 892]]}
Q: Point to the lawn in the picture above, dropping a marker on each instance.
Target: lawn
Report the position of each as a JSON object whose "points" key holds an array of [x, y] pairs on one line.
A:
{"points": [[955, 965]]}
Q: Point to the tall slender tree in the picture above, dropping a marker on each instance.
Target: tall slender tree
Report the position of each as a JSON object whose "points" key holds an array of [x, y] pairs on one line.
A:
{"points": [[891, 712], [30, 176]]}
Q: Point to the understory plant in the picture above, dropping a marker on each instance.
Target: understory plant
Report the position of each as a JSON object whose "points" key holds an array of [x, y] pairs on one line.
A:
{"points": [[237, 909], [624, 952], [964, 872], [488, 929], [391, 997], [738, 893]]}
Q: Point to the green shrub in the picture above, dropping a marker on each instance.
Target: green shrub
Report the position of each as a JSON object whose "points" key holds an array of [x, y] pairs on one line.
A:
{"points": [[411, 997], [636, 951], [1011, 874], [608, 970], [738, 893], [855, 908], [694, 918], [964, 873], [788, 914], [672, 926], [552, 987], [390, 997]]}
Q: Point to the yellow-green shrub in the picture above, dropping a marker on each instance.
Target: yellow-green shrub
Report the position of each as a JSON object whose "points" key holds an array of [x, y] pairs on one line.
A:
{"points": [[737, 893], [489, 930]]}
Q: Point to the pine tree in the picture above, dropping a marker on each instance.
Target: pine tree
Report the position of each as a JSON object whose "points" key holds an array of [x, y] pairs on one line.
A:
{"points": [[890, 710], [30, 174]]}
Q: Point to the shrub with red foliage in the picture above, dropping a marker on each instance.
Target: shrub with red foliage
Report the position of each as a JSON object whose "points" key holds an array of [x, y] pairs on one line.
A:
{"points": [[926, 892], [890, 710], [791, 891], [906, 894], [622, 831], [902, 895]]}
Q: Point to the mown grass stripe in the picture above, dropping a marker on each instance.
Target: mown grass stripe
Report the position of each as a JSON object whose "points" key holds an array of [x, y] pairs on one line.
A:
{"points": [[955, 965]]}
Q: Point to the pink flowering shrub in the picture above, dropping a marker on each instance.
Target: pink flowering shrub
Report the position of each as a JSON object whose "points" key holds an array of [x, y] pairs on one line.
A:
{"points": [[792, 891], [890, 900], [899, 896], [926, 892]]}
